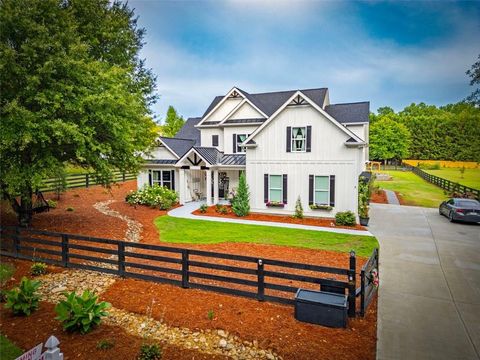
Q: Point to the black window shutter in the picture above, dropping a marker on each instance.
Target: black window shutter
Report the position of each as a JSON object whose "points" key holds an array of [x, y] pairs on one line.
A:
{"points": [[234, 143], [214, 140], [265, 188], [289, 139], [332, 190], [173, 179], [285, 188], [310, 189], [150, 177], [309, 138]]}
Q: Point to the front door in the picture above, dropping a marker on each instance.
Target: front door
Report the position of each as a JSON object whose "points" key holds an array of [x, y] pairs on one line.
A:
{"points": [[223, 181]]}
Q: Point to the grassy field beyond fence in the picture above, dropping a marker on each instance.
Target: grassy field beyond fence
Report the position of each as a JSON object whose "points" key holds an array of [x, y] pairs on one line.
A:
{"points": [[444, 163], [468, 176]]}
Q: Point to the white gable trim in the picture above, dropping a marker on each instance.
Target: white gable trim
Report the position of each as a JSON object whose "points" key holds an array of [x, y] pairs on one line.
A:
{"points": [[168, 148], [245, 100], [315, 106], [223, 100], [233, 110], [192, 149]]}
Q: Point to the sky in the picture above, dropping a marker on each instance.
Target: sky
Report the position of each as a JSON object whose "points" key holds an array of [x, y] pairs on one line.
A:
{"points": [[388, 53]]}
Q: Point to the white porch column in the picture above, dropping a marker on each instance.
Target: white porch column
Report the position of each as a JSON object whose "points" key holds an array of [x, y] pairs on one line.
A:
{"points": [[181, 186], [209, 187], [215, 186]]}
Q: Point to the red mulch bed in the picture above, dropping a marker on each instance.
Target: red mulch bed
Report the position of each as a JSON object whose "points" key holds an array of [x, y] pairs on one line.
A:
{"points": [[211, 211], [248, 318], [27, 332], [379, 197], [273, 325]]}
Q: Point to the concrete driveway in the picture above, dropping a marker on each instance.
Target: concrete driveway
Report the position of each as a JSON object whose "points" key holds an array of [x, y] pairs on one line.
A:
{"points": [[429, 296]]}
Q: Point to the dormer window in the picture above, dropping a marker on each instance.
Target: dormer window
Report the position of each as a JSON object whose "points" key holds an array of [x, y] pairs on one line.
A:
{"points": [[237, 140], [299, 139]]}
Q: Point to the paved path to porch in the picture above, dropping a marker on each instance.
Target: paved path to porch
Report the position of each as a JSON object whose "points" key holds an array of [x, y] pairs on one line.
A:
{"points": [[185, 212], [392, 197]]}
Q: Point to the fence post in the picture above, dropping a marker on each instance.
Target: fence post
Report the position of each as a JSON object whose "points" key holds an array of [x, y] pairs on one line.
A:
{"points": [[351, 285], [123, 176], [87, 180], [362, 293], [16, 242], [185, 275], [65, 257], [121, 259], [261, 281]]}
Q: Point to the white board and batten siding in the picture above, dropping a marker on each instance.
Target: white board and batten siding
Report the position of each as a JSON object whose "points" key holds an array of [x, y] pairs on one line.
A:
{"points": [[328, 156], [206, 137], [245, 111], [223, 110]]}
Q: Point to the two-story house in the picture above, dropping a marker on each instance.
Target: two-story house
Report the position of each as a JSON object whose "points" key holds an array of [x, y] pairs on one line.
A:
{"points": [[290, 144]]}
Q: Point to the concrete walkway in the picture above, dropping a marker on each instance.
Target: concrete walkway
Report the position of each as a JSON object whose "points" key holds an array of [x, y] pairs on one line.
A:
{"points": [[429, 296], [392, 197], [185, 212]]}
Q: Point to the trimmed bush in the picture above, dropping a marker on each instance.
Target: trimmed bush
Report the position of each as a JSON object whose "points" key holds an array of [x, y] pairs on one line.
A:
{"points": [[203, 208], [241, 199], [150, 352], [345, 218], [38, 268], [23, 300], [81, 313], [298, 209], [155, 196]]}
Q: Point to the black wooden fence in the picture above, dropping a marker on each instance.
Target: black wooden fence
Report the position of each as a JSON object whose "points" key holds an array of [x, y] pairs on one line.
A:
{"points": [[450, 186], [82, 180], [258, 278], [368, 288]]}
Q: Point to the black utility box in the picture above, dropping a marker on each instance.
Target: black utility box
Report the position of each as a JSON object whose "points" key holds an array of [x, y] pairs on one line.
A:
{"points": [[320, 307]]}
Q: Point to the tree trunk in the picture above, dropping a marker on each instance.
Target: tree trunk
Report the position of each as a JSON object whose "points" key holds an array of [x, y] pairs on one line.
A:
{"points": [[25, 211]]}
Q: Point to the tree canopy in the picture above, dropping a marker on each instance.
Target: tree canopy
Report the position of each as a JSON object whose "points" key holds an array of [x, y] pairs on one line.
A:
{"points": [[474, 74], [73, 91], [173, 123], [388, 140]]}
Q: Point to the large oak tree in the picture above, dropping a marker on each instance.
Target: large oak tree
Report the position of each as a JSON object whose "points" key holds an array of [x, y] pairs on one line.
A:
{"points": [[73, 91]]}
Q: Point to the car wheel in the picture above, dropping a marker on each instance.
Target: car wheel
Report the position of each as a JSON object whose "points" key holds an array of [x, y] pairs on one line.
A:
{"points": [[440, 211], [450, 216]]}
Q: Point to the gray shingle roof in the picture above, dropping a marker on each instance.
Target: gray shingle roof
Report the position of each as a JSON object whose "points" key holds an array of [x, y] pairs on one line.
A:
{"points": [[271, 101], [178, 146], [244, 121], [210, 154], [189, 131], [232, 159], [350, 113]]}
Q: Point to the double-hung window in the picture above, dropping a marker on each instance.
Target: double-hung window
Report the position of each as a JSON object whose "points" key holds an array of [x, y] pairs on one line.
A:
{"points": [[162, 178], [240, 139], [299, 139], [275, 188], [322, 190]]}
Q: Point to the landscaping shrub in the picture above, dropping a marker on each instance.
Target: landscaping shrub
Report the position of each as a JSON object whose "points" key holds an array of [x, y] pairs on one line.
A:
{"points": [[221, 209], [364, 192], [203, 208], [23, 300], [38, 268], [52, 203], [426, 166], [105, 344], [241, 200], [154, 196], [346, 218], [298, 209], [81, 313], [211, 314], [70, 208], [150, 352]]}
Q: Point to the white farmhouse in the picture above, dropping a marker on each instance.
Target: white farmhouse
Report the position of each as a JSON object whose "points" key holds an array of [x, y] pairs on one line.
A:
{"points": [[290, 144]]}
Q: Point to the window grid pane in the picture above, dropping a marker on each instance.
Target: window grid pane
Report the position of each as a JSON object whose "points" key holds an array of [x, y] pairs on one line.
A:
{"points": [[321, 197], [298, 139], [276, 195], [321, 182], [275, 182]]}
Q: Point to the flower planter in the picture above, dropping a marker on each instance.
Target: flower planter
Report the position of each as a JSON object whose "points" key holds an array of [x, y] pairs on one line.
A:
{"points": [[364, 221], [321, 207], [277, 205]]}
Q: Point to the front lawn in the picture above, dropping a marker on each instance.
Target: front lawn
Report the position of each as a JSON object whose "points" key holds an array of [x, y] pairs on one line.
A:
{"points": [[471, 177], [187, 231], [8, 350], [412, 188]]}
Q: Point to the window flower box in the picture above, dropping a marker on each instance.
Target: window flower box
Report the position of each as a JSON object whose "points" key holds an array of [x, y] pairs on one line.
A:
{"points": [[275, 204], [321, 207]]}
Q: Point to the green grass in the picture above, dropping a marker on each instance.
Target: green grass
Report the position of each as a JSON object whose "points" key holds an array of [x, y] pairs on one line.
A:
{"points": [[8, 350], [6, 272], [470, 178], [187, 231], [413, 189]]}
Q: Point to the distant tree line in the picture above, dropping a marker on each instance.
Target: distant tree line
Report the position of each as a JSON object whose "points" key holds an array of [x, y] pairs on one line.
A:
{"points": [[421, 131]]}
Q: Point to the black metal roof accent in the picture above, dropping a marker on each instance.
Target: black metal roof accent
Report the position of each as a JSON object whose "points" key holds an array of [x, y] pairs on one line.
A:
{"points": [[350, 112], [233, 159], [210, 154], [189, 131], [244, 121], [161, 161]]}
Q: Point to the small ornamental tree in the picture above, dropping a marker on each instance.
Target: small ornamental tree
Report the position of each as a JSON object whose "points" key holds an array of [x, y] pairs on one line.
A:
{"points": [[298, 209], [241, 203]]}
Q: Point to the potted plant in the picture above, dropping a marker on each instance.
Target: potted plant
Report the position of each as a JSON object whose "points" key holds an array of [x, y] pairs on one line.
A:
{"points": [[363, 199]]}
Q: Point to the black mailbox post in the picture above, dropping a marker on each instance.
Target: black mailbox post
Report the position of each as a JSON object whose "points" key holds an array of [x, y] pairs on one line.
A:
{"points": [[322, 308]]}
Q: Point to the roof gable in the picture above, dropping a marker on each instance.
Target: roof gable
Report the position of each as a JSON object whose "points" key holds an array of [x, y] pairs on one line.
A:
{"points": [[177, 146], [189, 131]]}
